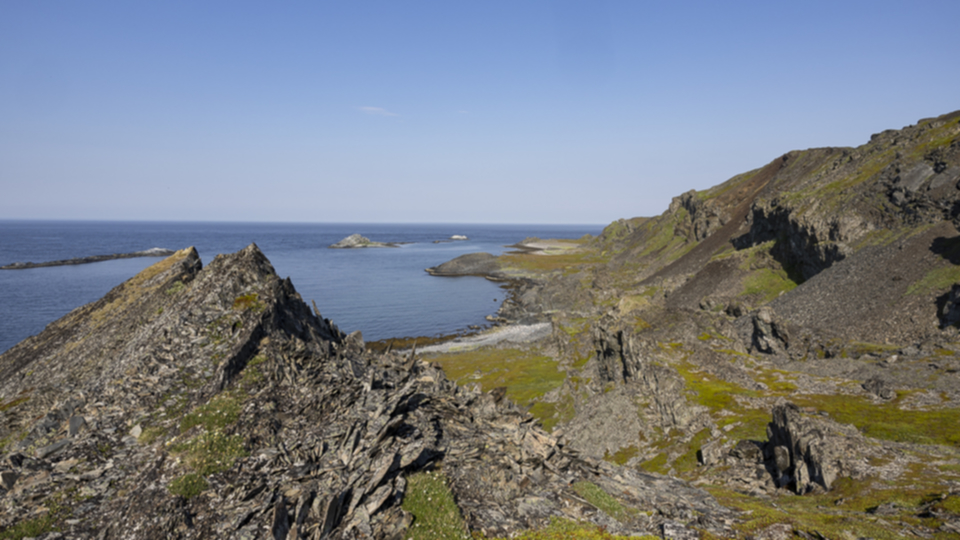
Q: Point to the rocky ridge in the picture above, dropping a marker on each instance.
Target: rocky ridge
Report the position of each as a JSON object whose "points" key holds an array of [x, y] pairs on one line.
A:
{"points": [[197, 402], [152, 252]]}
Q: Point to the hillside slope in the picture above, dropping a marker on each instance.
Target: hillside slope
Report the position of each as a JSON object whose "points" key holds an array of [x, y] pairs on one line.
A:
{"points": [[819, 290]]}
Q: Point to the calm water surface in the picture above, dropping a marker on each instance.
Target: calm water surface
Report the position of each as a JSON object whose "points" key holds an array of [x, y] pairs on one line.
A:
{"points": [[382, 292]]}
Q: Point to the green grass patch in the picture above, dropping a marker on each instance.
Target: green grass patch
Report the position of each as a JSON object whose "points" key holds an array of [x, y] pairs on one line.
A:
{"points": [[936, 280], [750, 257], [596, 496], [848, 501], [767, 284], [252, 376], [218, 413], [663, 237], [656, 464], [685, 462], [857, 349], [707, 336], [949, 467], [582, 360], [688, 460], [719, 395], [211, 452], [551, 414], [151, 434], [177, 287], [711, 392], [775, 381], [188, 486], [539, 263], [937, 137], [751, 425], [42, 524], [950, 504], [575, 326], [887, 420], [435, 513], [248, 301], [31, 528], [565, 529], [526, 375], [623, 455]]}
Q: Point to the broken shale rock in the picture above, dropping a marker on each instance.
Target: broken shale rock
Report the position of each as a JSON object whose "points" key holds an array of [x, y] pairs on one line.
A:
{"points": [[198, 402]]}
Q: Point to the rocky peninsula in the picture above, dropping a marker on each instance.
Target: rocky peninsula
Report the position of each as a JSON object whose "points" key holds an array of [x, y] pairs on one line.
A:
{"points": [[152, 252]]}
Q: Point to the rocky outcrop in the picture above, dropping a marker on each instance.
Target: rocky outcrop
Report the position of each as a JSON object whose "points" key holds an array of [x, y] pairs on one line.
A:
{"points": [[471, 264], [621, 359], [809, 244], [633, 398], [808, 454], [199, 402], [705, 216], [358, 241], [152, 252], [950, 312], [766, 332]]}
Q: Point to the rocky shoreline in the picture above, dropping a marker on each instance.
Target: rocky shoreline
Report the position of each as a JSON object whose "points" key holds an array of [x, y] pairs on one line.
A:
{"points": [[153, 252]]}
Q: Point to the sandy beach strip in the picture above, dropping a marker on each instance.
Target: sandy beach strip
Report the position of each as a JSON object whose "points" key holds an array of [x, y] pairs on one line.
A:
{"points": [[515, 333]]}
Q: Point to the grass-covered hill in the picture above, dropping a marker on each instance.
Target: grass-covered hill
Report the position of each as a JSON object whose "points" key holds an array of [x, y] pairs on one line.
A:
{"points": [[827, 279]]}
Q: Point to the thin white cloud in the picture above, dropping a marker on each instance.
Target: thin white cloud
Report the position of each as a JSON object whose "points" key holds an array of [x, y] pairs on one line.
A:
{"points": [[377, 111]]}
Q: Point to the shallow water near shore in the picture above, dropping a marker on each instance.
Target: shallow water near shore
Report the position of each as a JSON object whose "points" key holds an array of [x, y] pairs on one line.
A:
{"points": [[384, 292]]}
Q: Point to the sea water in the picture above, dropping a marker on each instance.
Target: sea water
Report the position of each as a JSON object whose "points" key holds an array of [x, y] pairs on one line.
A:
{"points": [[382, 292]]}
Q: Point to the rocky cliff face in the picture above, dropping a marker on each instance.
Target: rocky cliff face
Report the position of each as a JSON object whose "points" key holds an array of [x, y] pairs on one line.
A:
{"points": [[210, 402]]}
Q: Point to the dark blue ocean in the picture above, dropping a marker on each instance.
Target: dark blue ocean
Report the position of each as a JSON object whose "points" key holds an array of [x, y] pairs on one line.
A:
{"points": [[382, 292]]}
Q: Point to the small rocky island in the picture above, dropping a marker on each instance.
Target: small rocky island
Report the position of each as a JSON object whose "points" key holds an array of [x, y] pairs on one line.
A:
{"points": [[152, 252], [358, 241], [454, 238]]}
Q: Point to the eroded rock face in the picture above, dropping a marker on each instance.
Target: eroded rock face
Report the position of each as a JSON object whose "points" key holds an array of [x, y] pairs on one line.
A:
{"points": [[809, 453], [950, 312], [199, 403], [769, 334], [705, 217]]}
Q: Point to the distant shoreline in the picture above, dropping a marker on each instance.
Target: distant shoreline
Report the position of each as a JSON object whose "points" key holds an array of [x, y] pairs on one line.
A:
{"points": [[153, 252]]}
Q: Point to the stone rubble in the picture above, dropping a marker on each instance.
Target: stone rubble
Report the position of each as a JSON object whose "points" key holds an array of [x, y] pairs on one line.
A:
{"points": [[329, 431]]}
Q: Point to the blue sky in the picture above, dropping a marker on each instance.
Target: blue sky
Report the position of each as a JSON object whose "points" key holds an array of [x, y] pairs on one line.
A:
{"points": [[448, 111]]}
